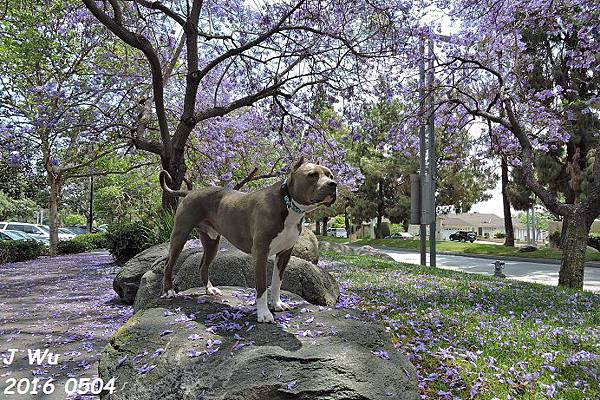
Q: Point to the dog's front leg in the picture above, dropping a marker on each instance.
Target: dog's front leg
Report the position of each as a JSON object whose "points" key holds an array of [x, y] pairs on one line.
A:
{"points": [[281, 262], [262, 310]]}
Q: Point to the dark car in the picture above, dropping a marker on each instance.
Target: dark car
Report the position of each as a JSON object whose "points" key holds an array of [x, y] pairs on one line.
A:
{"points": [[463, 236]]}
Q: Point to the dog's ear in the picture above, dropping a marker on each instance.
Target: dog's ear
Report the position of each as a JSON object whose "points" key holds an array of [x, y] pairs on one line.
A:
{"points": [[299, 163]]}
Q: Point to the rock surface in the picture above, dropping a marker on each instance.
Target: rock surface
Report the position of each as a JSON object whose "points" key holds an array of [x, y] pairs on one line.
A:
{"points": [[127, 281], [350, 250], [201, 347], [231, 267], [307, 247]]}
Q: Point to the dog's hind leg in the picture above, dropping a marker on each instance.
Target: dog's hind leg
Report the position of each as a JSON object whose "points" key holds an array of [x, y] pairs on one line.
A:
{"points": [[281, 261], [179, 236], [211, 248]]}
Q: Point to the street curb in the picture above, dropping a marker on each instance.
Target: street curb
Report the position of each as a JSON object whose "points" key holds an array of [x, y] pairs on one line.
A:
{"points": [[588, 264]]}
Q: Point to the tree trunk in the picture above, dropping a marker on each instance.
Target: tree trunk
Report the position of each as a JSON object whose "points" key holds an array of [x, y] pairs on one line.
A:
{"points": [[175, 166], [324, 226], [347, 224], [574, 245], [380, 210], [318, 227], [508, 224], [53, 213]]}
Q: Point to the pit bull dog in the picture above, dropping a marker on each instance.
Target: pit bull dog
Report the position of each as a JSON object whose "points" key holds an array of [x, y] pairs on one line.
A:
{"points": [[262, 223]]}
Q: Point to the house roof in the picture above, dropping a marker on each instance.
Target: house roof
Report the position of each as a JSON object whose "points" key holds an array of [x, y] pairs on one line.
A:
{"points": [[473, 220]]}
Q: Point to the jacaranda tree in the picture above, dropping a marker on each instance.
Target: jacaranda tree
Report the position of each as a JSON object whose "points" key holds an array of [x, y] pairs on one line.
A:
{"points": [[531, 69], [209, 59], [59, 107]]}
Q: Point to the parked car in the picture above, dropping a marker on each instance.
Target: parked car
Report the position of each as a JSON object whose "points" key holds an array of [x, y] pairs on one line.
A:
{"points": [[65, 234], [463, 236], [79, 230], [401, 236], [337, 232], [38, 232], [10, 235], [22, 236], [103, 228]]}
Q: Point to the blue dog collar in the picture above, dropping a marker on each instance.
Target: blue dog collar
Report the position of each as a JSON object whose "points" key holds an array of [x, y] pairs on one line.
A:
{"points": [[287, 199]]}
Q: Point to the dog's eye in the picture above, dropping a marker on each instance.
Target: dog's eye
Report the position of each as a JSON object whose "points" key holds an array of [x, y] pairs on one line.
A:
{"points": [[313, 174]]}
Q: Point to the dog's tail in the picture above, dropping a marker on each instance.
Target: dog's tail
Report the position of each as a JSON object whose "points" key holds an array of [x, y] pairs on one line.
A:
{"points": [[163, 177]]}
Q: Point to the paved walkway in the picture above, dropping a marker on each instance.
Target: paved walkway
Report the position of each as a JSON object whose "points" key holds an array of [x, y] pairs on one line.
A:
{"points": [[65, 305], [529, 271]]}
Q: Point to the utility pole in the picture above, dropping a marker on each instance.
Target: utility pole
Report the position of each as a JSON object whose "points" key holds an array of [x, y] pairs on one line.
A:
{"points": [[91, 210], [432, 158], [422, 150]]}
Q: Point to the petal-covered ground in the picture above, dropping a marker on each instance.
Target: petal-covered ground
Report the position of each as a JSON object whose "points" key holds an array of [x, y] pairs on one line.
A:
{"points": [[478, 337], [469, 336], [65, 305]]}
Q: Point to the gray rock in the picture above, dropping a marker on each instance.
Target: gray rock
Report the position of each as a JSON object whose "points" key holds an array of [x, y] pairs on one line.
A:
{"points": [[234, 268], [527, 249], [336, 247], [127, 281], [373, 252], [349, 250], [592, 249], [307, 247], [311, 353]]}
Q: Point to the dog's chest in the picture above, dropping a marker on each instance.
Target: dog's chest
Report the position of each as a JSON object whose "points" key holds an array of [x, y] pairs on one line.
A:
{"points": [[288, 236]]}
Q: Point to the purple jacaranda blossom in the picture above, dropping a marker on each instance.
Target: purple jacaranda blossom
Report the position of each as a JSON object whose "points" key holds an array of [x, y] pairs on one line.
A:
{"points": [[381, 354], [144, 369], [291, 385]]}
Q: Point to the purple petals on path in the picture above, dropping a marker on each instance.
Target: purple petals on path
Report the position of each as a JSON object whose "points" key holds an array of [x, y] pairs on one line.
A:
{"points": [[65, 304]]}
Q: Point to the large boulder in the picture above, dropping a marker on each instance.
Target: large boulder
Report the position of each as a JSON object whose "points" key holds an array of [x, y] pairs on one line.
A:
{"points": [[307, 247], [231, 267], [203, 347], [127, 281]]}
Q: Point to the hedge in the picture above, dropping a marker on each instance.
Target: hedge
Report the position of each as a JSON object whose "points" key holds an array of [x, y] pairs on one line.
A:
{"points": [[20, 250]]}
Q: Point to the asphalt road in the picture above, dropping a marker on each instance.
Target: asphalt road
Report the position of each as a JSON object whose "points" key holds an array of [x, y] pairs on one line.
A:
{"points": [[520, 270]]}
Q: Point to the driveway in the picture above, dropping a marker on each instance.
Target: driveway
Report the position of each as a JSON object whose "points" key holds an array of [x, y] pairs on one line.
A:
{"points": [[529, 271]]}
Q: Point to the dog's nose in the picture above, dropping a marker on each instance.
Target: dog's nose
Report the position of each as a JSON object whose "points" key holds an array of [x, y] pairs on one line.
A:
{"points": [[332, 184]]}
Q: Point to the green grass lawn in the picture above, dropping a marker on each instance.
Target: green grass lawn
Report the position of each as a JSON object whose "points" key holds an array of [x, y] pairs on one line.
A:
{"points": [[473, 336], [467, 248]]}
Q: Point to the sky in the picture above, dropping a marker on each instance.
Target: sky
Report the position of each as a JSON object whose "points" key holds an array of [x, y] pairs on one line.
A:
{"points": [[493, 205]]}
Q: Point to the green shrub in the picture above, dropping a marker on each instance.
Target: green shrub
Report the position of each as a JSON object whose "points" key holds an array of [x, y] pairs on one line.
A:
{"points": [[126, 240], [20, 250], [594, 240], [74, 220], [92, 241], [554, 239], [161, 225], [71, 247], [500, 235]]}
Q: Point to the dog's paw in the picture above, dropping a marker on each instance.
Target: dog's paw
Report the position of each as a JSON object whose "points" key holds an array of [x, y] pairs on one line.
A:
{"points": [[281, 306], [213, 291], [169, 294], [265, 316]]}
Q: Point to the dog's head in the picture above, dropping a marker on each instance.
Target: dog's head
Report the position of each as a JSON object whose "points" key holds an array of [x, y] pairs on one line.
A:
{"points": [[312, 184]]}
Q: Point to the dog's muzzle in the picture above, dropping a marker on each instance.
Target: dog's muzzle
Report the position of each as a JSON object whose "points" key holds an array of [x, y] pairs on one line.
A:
{"points": [[329, 193]]}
